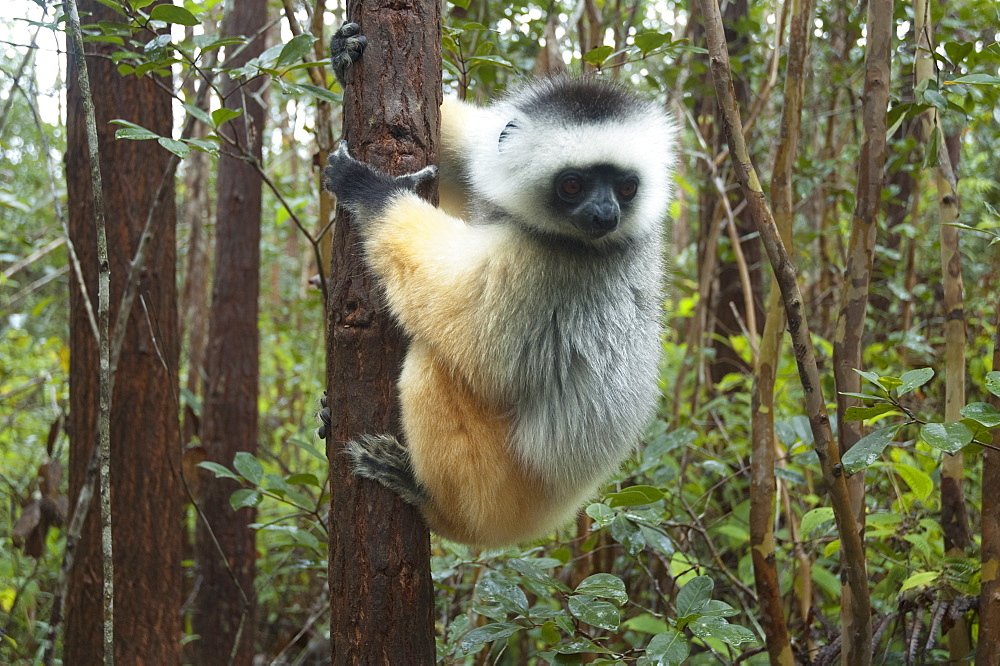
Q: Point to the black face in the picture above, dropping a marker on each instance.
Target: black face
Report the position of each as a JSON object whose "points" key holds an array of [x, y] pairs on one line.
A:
{"points": [[594, 197]]}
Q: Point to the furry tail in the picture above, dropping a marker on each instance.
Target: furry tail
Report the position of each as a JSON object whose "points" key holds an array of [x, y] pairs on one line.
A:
{"points": [[382, 458]]}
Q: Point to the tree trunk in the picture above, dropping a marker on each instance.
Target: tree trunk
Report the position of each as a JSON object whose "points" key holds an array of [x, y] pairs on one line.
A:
{"points": [[224, 616], [145, 455], [379, 546], [762, 481], [848, 343], [988, 648]]}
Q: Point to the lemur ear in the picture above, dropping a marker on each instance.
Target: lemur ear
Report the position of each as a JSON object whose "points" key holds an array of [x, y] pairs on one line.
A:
{"points": [[507, 134]]}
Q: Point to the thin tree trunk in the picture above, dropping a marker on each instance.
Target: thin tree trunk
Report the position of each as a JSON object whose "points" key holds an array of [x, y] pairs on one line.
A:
{"points": [[382, 610], [224, 609], [848, 343], [857, 637], [988, 648], [954, 519], [146, 494], [762, 481]]}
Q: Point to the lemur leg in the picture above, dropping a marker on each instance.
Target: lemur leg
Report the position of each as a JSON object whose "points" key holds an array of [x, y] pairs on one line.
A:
{"points": [[382, 458], [346, 48]]}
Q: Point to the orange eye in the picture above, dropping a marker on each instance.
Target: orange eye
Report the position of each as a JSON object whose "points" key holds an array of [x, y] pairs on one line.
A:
{"points": [[572, 186], [628, 189]]}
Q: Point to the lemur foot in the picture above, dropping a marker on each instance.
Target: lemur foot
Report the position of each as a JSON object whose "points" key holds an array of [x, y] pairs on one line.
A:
{"points": [[364, 190], [382, 458], [346, 48], [323, 431]]}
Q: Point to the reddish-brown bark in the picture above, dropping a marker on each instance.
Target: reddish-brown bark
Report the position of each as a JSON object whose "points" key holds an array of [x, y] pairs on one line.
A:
{"points": [[224, 614], [145, 455], [379, 547]]}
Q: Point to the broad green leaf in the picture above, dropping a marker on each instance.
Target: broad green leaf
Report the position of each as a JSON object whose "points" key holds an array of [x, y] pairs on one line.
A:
{"points": [[319, 93], [668, 649], [173, 14], [178, 148], [304, 479], [220, 471], [295, 48], [889, 383], [244, 497], [949, 437], [595, 612], [719, 629], [634, 496], [529, 569], [628, 534], [867, 397], [814, 518], [977, 78], [993, 382], [307, 446], [872, 377], [719, 609], [601, 513], [919, 482], [919, 579], [488, 633], [914, 379], [598, 55], [865, 413], [580, 645], [603, 585], [223, 114], [248, 465], [200, 114], [982, 412], [657, 540], [867, 449], [135, 134], [496, 590], [694, 597], [648, 41]]}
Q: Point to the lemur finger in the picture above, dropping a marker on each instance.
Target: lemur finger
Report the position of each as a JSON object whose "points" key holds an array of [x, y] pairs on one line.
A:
{"points": [[346, 48], [413, 180]]}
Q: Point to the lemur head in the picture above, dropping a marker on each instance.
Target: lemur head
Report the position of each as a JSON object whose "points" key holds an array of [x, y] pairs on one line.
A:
{"points": [[582, 158]]}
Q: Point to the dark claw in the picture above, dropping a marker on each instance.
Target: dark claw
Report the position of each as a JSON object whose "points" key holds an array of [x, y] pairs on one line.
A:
{"points": [[323, 431], [346, 48]]}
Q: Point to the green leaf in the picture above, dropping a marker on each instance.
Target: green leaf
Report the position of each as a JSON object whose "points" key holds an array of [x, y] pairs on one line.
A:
{"points": [[628, 534], [295, 48], [657, 540], [889, 383], [487, 634], [173, 14], [982, 412], [978, 79], [580, 645], [867, 449], [867, 397], [634, 496], [872, 377], [244, 497], [178, 148], [596, 613], [598, 55], [719, 609], [865, 413], [993, 382], [601, 513], [719, 629], [912, 379], [200, 114], [529, 569], [919, 579], [668, 649], [319, 93], [949, 437], [493, 589], [919, 482], [248, 465], [135, 134], [694, 597], [814, 518], [223, 114], [648, 41], [305, 479], [604, 585], [307, 446], [220, 471]]}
